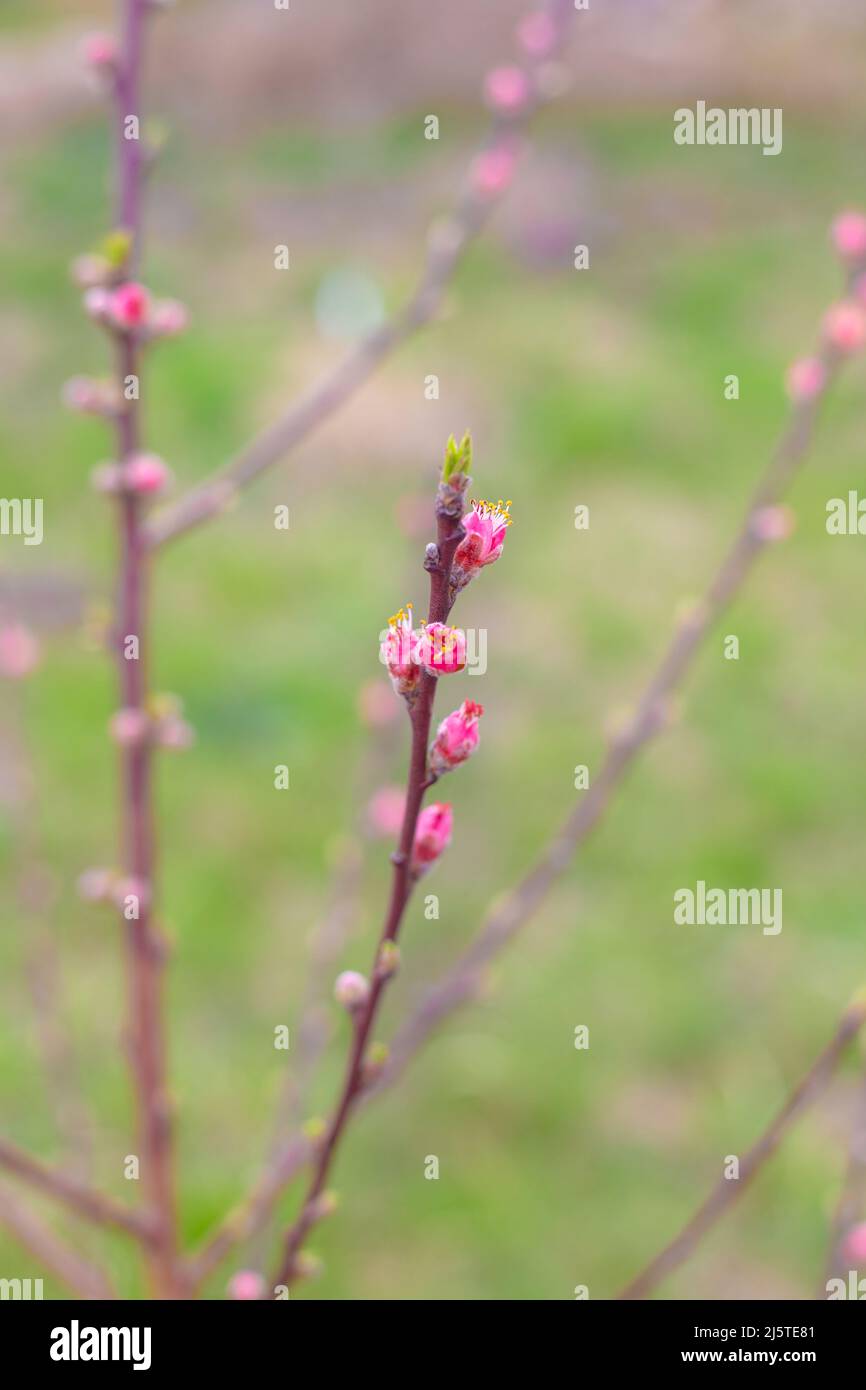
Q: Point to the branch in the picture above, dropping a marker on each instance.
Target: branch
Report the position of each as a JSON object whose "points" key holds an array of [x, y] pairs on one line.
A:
{"points": [[445, 251], [85, 1279], [728, 1191], [84, 1201], [449, 509]]}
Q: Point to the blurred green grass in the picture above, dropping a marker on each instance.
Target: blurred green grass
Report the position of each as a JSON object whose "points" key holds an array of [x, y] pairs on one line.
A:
{"points": [[558, 1167]]}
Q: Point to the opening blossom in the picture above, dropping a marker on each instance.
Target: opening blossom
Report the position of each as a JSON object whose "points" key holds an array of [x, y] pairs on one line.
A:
{"points": [[441, 649], [432, 835], [848, 234], [130, 305], [456, 737], [485, 528], [398, 652]]}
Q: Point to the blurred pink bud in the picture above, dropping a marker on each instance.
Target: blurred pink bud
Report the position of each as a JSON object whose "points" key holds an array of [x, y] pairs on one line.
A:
{"points": [[145, 474], [845, 327], [100, 50], [442, 649], [19, 651], [97, 302], [773, 523], [89, 270], [855, 1244], [375, 706], [175, 734], [493, 170], [536, 34], [385, 808], [123, 888], [246, 1285], [848, 234], [432, 834], [351, 990], [129, 727], [806, 378], [506, 90], [107, 478], [456, 737], [168, 318], [95, 885], [84, 394], [130, 305]]}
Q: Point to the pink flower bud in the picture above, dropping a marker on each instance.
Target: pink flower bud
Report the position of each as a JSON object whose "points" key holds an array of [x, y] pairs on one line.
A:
{"points": [[441, 649], [845, 327], [385, 810], [485, 526], [773, 523], [95, 885], [130, 305], [493, 170], [456, 737], [145, 474], [84, 394], [169, 317], [855, 1244], [806, 378], [432, 834], [90, 270], [97, 302], [506, 90], [245, 1286], [398, 652], [129, 727], [19, 652], [351, 990], [848, 234], [536, 34], [100, 51]]}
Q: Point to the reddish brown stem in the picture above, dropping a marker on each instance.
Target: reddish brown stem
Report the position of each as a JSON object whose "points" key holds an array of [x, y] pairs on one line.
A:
{"points": [[84, 1201], [449, 535]]}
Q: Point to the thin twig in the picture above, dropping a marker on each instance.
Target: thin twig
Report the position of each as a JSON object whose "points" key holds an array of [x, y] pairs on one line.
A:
{"points": [[145, 949], [84, 1201], [449, 510], [78, 1274], [728, 1190], [446, 248]]}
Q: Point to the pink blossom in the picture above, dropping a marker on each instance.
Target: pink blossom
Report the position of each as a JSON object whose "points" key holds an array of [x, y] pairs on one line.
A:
{"points": [[385, 810], [129, 727], [485, 528], [351, 990], [398, 651], [432, 834], [168, 318], [441, 649], [245, 1286], [493, 170], [855, 1244], [848, 234], [130, 305], [806, 378], [145, 474], [506, 90], [773, 523], [845, 327], [100, 50], [97, 302], [536, 34], [456, 737], [19, 651]]}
